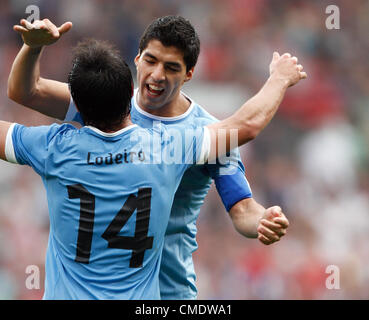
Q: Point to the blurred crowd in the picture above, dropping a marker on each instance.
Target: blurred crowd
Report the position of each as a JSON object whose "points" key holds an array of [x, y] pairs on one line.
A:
{"points": [[312, 159]]}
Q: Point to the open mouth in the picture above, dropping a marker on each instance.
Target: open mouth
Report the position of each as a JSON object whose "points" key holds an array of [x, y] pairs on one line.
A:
{"points": [[154, 90]]}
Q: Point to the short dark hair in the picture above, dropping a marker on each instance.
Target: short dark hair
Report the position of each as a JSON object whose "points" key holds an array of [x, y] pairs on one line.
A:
{"points": [[174, 31], [100, 83]]}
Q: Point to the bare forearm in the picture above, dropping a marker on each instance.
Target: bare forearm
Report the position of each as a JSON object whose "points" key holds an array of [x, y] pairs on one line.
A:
{"points": [[250, 119], [25, 85], [245, 216], [24, 74], [258, 111]]}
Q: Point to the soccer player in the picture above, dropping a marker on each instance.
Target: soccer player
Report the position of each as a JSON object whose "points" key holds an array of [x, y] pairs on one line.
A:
{"points": [[108, 212], [167, 56]]}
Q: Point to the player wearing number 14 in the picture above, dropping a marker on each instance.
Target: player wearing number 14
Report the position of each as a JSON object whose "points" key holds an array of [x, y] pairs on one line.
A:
{"points": [[108, 221]]}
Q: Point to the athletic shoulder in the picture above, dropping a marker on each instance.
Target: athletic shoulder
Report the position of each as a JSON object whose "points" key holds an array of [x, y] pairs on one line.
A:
{"points": [[199, 115], [61, 131], [47, 131]]}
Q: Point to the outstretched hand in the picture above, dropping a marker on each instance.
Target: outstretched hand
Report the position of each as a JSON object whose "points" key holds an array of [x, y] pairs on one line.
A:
{"points": [[272, 225], [286, 68], [41, 32]]}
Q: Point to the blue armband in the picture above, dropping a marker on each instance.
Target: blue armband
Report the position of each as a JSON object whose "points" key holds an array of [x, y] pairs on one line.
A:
{"points": [[233, 188]]}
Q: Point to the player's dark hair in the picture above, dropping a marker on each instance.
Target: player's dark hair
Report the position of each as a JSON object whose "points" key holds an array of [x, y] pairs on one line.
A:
{"points": [[174, 31], [101, 84]]}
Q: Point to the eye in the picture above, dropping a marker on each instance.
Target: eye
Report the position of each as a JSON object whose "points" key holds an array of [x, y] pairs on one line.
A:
{"points": [[149, 61], [172, 68]]}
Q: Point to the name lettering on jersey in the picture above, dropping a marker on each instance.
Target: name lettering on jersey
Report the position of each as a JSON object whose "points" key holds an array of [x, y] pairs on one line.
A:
{"points": [[118, 158], [172, 145]]}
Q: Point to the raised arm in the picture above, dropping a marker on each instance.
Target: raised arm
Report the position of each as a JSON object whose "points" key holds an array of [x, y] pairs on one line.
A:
{"points": [[257, 112], [250, 218], [25, 85]]}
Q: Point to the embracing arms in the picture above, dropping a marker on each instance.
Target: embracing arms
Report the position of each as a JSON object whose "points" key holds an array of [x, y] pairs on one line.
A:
{"points": [[27, 87]]}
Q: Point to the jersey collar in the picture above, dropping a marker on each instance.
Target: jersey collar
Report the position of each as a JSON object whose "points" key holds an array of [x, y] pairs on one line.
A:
{"points": [[151, 116], [111, 134]]}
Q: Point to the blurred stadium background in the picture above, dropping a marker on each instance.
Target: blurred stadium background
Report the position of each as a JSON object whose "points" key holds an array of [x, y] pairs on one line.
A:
{"points": [[312, 160]]}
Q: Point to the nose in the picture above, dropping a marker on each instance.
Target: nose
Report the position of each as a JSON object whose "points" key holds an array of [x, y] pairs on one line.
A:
{"points": [[158, 74]]}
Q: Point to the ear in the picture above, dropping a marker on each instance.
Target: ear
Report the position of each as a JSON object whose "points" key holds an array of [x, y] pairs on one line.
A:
{"points": [[189, 74], [137, 58]]}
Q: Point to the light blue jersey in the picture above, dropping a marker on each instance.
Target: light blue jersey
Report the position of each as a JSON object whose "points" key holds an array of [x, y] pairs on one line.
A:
{"points": [[109, 203], [177, 273]]}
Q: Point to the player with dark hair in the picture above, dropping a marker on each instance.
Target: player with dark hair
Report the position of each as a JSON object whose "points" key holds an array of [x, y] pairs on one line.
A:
{"points": [[167, 55], [174, 31], [108, 217], [100, 77]]}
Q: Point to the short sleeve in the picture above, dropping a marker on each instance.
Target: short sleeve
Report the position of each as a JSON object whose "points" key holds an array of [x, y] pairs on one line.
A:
{"points": [[29, 145]]}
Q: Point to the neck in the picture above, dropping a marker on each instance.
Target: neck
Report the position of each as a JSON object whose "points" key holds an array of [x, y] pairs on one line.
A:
{"points": [[176, 107], [124, 123]]}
